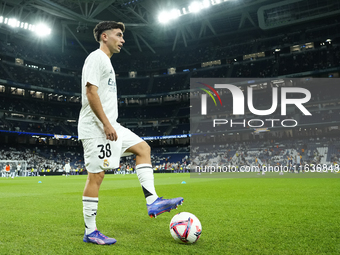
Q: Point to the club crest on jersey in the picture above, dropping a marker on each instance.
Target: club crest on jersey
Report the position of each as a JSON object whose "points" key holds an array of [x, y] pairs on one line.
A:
{"points": [[106, 163]]}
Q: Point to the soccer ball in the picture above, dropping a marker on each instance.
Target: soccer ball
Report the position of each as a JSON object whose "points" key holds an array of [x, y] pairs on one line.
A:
{"points": [[185, 228]]}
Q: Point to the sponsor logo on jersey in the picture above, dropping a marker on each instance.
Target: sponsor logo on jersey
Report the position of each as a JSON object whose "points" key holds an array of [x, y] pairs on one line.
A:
{"points": [[110, 82]]}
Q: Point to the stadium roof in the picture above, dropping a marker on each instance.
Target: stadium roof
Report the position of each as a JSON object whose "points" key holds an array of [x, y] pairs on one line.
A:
{"points": [[76, 18]]}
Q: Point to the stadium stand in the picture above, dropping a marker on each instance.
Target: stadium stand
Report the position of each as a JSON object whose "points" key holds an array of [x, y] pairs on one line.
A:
{"points": [[39, 98]]}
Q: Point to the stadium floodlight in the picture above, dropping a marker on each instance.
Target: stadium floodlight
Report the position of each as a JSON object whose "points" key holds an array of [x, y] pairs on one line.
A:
{"points": [[216, 2], [195, 7], [42, 30], [175, 13], [206, 3], [12, 22], [163, 17]]}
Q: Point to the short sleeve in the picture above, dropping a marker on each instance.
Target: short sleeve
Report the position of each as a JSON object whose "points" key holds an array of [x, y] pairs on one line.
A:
{"points": [[92, 70]]}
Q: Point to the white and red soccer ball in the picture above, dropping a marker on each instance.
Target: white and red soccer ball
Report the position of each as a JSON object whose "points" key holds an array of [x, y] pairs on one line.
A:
{"points": [[185, 228]]}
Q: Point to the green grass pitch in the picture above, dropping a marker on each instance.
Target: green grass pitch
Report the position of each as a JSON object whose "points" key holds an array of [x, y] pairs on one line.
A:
{"points": [[238, 215]]}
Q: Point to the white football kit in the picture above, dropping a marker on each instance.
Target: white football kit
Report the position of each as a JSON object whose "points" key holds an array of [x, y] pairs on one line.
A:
{"points": [[99, 153], [67, 168]]}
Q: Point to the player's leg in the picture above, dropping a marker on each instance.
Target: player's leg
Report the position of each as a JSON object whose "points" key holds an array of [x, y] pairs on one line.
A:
{"points": [[156, 205], [90, 200], [144, 170], [90, 194]]}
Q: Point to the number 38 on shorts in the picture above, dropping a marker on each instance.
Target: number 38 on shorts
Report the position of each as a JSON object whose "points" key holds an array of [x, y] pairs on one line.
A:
{"points": [[102, 154], [105, 151]]}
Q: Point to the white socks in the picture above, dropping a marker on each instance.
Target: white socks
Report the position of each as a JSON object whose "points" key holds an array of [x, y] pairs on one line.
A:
{"points": [[90, 206], [146, 179]]}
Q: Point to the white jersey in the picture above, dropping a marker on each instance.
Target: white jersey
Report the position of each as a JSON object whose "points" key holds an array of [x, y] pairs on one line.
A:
{"points": [[67, 168], [98, 71]]}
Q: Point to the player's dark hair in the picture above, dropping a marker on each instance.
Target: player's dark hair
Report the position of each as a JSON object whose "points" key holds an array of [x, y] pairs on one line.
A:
{"points": [[106, 25]]}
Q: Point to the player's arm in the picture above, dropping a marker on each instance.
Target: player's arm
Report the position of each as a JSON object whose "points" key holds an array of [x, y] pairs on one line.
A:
{"points": [[97, 108]]}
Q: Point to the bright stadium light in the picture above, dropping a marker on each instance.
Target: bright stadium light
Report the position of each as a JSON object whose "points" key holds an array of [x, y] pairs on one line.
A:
{"points": [[175, 13], [42, 30], [195, 7], [206, 3], [163, 17], [12, 22]]}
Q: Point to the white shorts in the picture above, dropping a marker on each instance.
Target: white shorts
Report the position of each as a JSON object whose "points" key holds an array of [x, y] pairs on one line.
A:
{"points": [[102, 154]]}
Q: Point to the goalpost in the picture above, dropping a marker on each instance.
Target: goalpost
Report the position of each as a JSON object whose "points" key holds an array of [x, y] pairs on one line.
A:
{"points": [[17, 168]]}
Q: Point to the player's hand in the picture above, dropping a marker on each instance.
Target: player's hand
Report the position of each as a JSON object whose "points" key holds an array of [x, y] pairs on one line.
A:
{"points": [[110, 133]]}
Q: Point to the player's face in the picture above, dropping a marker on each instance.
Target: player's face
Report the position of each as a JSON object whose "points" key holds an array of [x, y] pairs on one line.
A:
{"points": [[115, 40]]}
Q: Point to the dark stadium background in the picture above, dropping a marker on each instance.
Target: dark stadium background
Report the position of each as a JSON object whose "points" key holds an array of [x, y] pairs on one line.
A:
{"points": [[40, 77]]}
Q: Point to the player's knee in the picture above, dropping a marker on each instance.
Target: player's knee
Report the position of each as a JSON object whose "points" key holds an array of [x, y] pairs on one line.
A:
{"points": [[145, 149], [141, 149], [96, 178]]}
